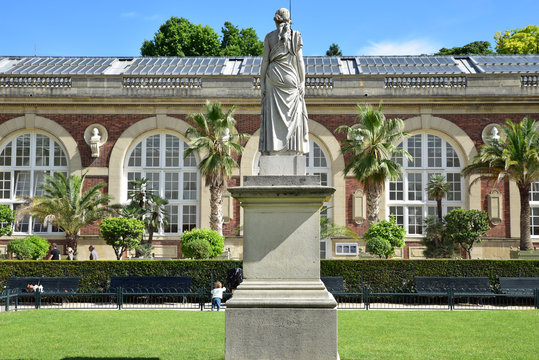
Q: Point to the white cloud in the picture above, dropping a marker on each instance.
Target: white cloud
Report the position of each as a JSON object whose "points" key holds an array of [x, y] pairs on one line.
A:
{"points": [[130, 14], [410, 47]]}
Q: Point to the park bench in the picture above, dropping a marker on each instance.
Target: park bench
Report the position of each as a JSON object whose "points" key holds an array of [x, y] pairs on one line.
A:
{"points": [[458, 285], [151, 284], [334, 284], [519, 286], [51, 285]]}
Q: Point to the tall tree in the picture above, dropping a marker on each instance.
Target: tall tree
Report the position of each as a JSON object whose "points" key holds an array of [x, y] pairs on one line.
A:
{"points": [[242, 42], [65, 205], [518, 41], [476, 47], [437, 189], [466, 227], [7, 218], [370, 145], [212, 134], [334, 50], [515, 156], [180, 37]]}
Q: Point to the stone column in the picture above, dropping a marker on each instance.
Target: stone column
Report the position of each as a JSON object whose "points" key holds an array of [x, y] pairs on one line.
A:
{"points": [[282, 310]]}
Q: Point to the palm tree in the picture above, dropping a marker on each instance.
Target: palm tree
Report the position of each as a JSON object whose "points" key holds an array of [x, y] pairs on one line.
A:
{"points": [[513, 156], [370, 145], [147, 207], [65, 205], [437, 188], [212, 135]]}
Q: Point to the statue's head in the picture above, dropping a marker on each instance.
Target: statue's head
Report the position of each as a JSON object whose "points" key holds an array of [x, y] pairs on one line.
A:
{"points": [[282, 16]]}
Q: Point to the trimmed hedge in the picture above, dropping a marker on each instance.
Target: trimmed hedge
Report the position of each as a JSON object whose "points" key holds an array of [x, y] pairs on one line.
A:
{"points": [[379, 275]]}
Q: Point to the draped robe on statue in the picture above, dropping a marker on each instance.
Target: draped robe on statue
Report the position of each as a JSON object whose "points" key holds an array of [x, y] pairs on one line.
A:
{"points": [[284, 120]]}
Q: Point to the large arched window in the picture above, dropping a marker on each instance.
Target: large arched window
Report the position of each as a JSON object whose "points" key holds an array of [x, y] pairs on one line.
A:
{"points": [[406, 198], [534, 209], [25, 160], [159, 159]]}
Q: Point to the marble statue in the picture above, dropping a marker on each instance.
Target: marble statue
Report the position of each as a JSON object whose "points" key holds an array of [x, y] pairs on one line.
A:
{"points": [[494, 134], [284, 121], [95, 142]]}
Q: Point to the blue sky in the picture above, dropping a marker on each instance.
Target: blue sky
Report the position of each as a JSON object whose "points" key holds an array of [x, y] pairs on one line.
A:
{"points": [[118, 28]]}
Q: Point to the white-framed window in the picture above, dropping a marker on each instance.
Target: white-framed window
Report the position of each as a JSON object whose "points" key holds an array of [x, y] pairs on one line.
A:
{"points": [[407, 198], [25, 160], [346, 249], [323, 249], [159, 159], [534, 209]]}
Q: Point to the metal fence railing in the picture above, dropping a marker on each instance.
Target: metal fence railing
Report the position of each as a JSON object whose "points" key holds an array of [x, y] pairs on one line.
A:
{"points": [[364, 300]]}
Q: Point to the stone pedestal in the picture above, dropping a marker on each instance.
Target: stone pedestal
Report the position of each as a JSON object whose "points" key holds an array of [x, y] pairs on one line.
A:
{"points": [[282, 164], [282, 310]]}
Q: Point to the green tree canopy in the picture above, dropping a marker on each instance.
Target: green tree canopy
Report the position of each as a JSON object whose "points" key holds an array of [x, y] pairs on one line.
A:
{"points": [[334, 50], [7, 218], [31, 247], [180, 37], [518, 41], [466, 227], [202, 244], [476, 47], [386, 230], [121, 233]]}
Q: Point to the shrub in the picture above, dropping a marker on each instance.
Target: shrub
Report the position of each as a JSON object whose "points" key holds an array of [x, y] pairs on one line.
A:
{"points": [[7, 218], [192, 243], [387, 230], [379, 247], [466, 227], [121, 233], [437, 243], [31, 247]]}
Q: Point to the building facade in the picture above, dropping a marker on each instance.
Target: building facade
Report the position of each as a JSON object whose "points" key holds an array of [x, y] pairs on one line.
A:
{"points": [[50, 106]]}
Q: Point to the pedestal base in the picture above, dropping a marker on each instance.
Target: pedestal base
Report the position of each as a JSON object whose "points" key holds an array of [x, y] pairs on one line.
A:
{"points": [[282, 164], [281, 333]]}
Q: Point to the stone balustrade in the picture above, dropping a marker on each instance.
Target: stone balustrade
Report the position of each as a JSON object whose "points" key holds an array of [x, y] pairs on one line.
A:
{"points": [[529, 80], [35, 82], [420, 82], [162, 82], [311, 82]]}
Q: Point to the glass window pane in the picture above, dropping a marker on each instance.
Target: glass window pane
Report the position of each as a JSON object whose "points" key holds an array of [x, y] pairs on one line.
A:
{"points": [[152, 151], [452, 157], [5, 156], [173, 219], [434, 146], [172, 186], [172, 151], [319, 160], [398, 158], [189, 217], [22, 183], [415, 220], [455, 192], [534, 193], [39, 180], [534, 221], [189, 186], [415, 186], [136, 156], [414, 148], [5, 185], [396, 190], [23, 224], [152, 184], [60, 158], [42, 150], [22, 157]]}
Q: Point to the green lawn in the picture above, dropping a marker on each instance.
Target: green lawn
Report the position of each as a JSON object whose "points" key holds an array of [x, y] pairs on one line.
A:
{"points": [[161, 334]]}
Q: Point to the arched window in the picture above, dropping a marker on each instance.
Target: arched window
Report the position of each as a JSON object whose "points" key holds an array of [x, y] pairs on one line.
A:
{"points": [[25, 160], [406, 198], [159, 159], [534, 209]]}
